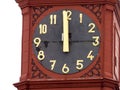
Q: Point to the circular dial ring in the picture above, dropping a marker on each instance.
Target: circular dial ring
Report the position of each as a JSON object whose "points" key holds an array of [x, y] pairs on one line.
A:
{"points": [[66, 40]]}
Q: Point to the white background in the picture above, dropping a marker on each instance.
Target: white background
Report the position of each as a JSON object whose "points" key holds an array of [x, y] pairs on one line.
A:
{"points": [[10, 44]]}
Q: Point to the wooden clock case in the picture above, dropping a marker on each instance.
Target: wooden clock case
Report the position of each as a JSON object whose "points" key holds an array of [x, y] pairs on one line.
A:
{"points": [[103, 74]]}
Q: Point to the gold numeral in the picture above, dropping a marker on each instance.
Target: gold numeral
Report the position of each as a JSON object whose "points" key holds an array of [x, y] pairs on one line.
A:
{"points": [[69, 13], [96, 42], [81, 17], [53, 19], [37, 41], [53, 62], [41, 55], [92, 28], [43, 28], [65, 69], [90, 56], [79, 64]]}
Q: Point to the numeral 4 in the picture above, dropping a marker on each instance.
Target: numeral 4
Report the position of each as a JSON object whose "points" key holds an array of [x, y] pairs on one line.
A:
{"points": [[90, 56]]}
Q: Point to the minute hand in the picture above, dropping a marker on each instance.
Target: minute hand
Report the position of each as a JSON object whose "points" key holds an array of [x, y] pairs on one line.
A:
{"points": [[65, 32]]}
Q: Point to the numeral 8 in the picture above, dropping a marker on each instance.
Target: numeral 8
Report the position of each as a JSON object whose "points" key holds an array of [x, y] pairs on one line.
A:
{"points": [[41, 55]]}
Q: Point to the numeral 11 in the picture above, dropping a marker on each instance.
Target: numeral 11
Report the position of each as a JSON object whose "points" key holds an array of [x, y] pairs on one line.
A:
{"points": [[53, 19]]}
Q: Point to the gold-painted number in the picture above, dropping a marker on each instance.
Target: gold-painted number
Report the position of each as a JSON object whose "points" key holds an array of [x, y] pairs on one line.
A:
{"points": [[53, 19], [43, 28], [69, 13], [65, 69], [79, 64], [53, 62], [37, 41], [92, 28], [96, 42], [41, 55], [81, 17], [90, 56]]}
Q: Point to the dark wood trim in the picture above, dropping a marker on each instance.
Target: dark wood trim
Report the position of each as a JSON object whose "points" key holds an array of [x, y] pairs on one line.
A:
{"points": [[25, 3], [53, 84]]}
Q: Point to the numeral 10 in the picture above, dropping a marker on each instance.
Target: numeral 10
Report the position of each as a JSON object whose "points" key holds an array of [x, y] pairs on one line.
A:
{"points": [[43, 28]]}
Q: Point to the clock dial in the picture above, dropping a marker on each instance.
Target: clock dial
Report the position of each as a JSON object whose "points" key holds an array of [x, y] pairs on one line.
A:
{"points": [[66, 41]]}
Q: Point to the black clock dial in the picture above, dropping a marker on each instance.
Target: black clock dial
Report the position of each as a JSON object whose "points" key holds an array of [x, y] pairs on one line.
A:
{"points": [[83, 41]]}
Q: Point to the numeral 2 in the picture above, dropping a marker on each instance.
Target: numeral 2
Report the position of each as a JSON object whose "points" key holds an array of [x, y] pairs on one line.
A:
{"points": [[92, 28]]}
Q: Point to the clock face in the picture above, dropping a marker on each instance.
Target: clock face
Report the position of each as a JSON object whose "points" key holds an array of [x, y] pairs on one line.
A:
{"points": [[66, 41]]}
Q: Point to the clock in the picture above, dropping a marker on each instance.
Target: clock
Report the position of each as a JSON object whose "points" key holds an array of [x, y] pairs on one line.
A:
{"points": [[66, 40]]}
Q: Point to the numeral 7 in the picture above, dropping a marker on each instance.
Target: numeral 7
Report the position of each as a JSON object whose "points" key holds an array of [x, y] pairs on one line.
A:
{"points": [[53, 62]]}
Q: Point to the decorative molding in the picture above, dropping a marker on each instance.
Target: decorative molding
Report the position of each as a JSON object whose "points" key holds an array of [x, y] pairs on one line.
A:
{"points": [[95, 71], [37, 73], [37, 11], [96, 9]]}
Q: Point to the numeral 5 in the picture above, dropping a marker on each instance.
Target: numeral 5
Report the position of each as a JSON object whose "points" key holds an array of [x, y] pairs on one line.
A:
{"points": [[79, 64]]}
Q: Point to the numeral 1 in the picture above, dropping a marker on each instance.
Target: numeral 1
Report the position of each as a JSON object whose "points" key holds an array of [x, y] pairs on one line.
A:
{"points": [[53, 19], [81, 17], [43, 28]]}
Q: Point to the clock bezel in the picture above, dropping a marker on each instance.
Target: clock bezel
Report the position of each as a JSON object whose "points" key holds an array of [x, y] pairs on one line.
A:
{"points": [[78, 74]]}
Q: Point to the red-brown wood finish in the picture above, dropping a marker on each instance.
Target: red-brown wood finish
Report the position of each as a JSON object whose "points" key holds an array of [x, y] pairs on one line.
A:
{"points": [[103, 74]]}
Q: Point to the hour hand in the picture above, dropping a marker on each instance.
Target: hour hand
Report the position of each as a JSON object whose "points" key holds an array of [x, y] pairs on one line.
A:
{"points": [[65, 35]]}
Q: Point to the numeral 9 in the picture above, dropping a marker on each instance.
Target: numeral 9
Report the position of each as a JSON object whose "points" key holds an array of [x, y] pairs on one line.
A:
{"points": [[37, 41]]}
